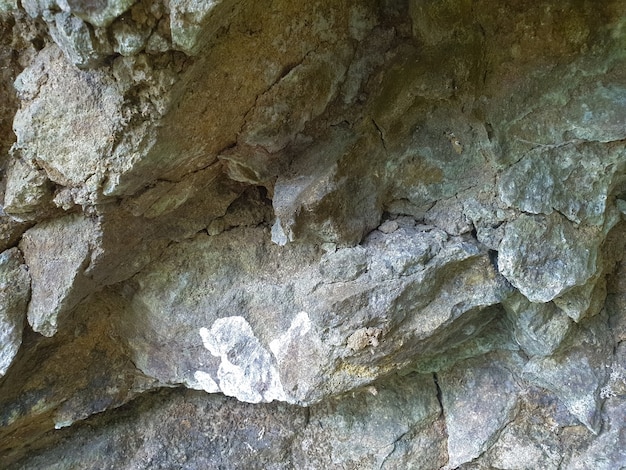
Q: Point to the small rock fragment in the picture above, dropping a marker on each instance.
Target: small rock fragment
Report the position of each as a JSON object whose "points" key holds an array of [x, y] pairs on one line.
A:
{"points": [[364, 337], [388, 226]]}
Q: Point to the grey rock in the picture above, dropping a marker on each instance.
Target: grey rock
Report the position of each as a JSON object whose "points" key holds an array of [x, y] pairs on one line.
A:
{"points": [[539, 328], [36, 8], [378, 425], [129, 39], [577, 374], [57, 253], [526, 443], [14, 296], [391, 305], [28, 192], [583, 301], [604, 452], [157, 43], [573, 179], [616, 383], [74, 38], [8, 6], [446, 193], [366, 429], [193, 23], [621, 205], [10, 231], [448, 214], [487, 217], [344, 265], [545, 256], [97, 13], [389, 226], [88, 105], [408, 251], [482, 332], [263, 439], [478, 401], [591, 112]]}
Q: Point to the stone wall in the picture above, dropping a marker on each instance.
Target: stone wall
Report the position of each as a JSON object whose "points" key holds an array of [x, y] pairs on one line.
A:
{"points": [[332, 234]]}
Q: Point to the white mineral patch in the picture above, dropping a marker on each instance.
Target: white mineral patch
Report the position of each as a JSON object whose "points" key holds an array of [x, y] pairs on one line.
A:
{"points": [[205, 382], [247, 371], [278, 234], [300, 326]]}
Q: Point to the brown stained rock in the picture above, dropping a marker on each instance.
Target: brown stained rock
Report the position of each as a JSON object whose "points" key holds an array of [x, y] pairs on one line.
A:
{"points": [[11, 231], [28, 192], [231, 68], [333, 191], [252, 165], [363, 338], [166, 197], [301, 95], [194, 24], [20, 39], [68, 118], [7, 94]]}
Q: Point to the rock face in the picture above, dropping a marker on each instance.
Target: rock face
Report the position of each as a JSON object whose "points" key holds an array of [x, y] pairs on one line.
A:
{"points": [[374, 234]]}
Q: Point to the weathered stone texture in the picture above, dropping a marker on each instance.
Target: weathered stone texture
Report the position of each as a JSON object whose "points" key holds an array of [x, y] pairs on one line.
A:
{"points": [[14, 295], [401, 220], [57, 254]]}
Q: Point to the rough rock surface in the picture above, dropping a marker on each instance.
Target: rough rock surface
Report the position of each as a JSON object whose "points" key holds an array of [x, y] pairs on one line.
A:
{"points": [[14, 295], [373, 234]]}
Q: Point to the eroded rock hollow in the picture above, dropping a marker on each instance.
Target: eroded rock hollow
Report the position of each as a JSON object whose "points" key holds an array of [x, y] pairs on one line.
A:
{"points": [[330, 234]]}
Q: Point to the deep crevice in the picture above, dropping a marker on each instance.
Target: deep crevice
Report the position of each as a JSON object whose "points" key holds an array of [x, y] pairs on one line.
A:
{"points": [[493, 257], [439, 394], [381, 134]]}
